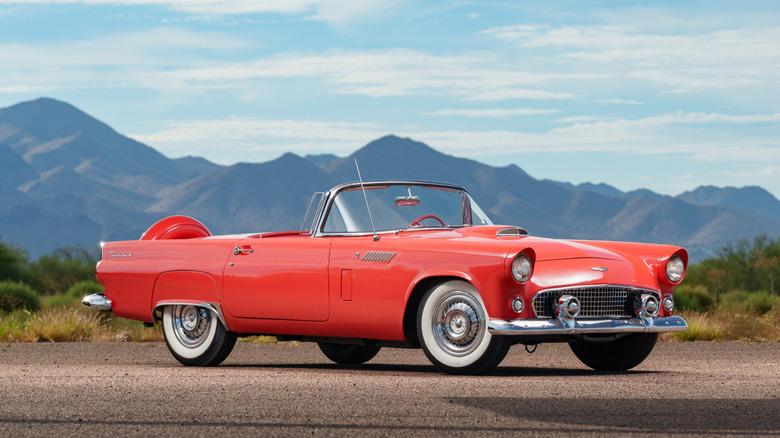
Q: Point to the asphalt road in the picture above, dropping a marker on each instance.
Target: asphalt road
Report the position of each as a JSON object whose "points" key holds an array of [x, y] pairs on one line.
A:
{"points": [[129, 389]]}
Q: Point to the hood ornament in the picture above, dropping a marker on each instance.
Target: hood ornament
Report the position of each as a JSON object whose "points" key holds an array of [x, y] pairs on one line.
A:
{"points": [[599, 268]]}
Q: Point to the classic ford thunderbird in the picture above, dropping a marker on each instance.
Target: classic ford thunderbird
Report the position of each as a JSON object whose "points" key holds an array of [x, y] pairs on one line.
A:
{"points": [[394, 264]]}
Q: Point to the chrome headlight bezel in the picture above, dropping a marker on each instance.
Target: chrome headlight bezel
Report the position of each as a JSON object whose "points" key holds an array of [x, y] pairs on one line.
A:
{"points": [[675, 269], [522, 268]]}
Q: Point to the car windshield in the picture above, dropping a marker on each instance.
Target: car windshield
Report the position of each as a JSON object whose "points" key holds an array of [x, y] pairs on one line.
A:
{"points": [[401, 206]]}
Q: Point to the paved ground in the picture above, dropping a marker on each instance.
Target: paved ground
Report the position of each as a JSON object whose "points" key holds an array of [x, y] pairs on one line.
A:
{"points": [[121, 389]]}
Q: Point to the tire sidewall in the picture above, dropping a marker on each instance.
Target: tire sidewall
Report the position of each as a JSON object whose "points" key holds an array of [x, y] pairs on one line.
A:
{"points": [[425, 319], [182, 352]]}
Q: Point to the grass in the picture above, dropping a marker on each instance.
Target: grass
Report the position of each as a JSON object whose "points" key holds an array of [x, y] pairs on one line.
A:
{"points": [[71, 324], [63, 320], [728, 325]]}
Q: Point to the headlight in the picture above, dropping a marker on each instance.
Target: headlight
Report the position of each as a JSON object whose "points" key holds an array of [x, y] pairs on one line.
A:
{"points": [[675, 268], [521, 268]]}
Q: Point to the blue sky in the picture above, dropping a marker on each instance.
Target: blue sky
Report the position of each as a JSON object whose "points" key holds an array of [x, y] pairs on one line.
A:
{"points": [[665, 95]]}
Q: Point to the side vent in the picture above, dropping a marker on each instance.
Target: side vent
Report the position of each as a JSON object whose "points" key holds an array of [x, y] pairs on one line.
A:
{"points": [[378, 257]]}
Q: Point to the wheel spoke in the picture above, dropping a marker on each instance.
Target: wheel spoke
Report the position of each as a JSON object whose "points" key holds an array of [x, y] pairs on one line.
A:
{"points": [[458, 323], [191, 325]]}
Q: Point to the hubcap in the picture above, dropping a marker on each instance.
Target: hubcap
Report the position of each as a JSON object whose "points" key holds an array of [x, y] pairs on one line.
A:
{"points": [[458, 324], [191, 325]]}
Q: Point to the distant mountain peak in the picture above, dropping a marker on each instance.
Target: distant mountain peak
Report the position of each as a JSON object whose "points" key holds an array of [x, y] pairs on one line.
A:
{"points": [[57, 118], [394, 144]]}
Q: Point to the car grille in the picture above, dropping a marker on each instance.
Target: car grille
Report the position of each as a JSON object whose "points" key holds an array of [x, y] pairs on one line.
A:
{"points": [[600, 301]]}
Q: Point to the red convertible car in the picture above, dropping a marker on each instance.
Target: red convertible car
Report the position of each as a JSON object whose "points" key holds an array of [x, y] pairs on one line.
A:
{"points": [[395, 264]]}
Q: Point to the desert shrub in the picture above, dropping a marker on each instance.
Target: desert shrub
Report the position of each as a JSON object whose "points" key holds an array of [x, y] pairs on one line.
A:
{"points": [[695, 298], [54, 274], [84, 288], [54, 301], [64, 325], [15, 295], [702, 327], [13, 263], [740, 301]]}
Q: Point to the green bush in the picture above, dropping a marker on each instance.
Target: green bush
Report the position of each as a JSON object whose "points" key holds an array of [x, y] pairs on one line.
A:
{"points": [[84, 288], [695, 298], [54, 274], [15, 295], [759, 302]]}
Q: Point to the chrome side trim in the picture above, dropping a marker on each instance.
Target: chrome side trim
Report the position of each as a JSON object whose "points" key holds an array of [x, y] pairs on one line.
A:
{"points": [[520, 327], [214, 307], [96, 302]]}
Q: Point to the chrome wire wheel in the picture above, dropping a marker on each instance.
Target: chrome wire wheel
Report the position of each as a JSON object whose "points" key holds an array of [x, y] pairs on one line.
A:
{"points": [[191, 325], [195, 335], [459, 323], [452, 330]]}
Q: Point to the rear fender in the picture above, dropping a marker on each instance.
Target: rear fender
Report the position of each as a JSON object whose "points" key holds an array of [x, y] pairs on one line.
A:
{"points": [[199, 289]]}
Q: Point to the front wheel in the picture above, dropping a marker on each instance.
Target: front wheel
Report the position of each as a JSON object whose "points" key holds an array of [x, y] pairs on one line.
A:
{"points": [[619, 355], [195, 336], [349, 354], [452, 328]]}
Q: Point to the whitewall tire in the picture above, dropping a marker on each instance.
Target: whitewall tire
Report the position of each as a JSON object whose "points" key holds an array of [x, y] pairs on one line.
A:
{"points": [[195, 336], [452, 329]]}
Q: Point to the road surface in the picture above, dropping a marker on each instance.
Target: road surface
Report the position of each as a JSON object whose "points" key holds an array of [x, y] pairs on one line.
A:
{"points": [[138, 389]]}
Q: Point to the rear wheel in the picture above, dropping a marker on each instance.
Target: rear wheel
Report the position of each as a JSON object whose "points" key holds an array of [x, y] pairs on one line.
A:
{"points": [[618, 355], [452, 328], [348, 354], [195, 336]]}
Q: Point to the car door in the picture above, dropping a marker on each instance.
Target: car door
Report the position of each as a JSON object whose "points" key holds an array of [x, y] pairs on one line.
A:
{"points": [[369, 280], [279, 277]]}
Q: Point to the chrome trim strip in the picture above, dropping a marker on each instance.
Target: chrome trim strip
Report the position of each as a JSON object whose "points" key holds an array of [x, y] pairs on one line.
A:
{"points": [[214, 307], [97, 302], [520, 327]]}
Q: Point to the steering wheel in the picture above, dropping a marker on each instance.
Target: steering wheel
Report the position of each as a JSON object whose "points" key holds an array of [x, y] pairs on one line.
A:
{"points": [[427, 216]]}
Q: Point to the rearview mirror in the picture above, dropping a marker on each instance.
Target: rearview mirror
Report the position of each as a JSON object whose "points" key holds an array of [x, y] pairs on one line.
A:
{"points": [[407, 201]]}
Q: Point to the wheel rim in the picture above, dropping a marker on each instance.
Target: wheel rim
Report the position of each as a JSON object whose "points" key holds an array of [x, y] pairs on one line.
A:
{"points": [[191, 325], [458, 323]]}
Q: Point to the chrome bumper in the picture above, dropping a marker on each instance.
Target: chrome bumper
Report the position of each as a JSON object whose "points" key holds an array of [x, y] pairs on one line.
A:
{"points": [[519, 327], [96, 302]]}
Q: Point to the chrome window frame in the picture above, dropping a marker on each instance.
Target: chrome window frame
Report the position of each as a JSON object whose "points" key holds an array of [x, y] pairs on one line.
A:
{"points": [[330, 196]]}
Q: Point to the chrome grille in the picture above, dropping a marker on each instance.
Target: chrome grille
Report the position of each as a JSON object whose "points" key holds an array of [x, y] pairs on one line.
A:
{"points": [[599, 301]]}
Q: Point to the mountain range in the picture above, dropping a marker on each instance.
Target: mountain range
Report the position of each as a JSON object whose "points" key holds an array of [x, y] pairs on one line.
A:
{"points": [[67, 179]]}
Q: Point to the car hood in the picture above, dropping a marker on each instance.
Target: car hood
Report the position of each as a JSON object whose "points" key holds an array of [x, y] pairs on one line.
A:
{"points": [[545, 249]]}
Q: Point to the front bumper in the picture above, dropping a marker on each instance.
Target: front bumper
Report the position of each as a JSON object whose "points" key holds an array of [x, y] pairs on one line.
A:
{"points": [[582, 326]]}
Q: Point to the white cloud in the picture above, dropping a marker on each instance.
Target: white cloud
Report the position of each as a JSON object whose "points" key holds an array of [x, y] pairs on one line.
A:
{"points": [[331, 11], [235, 139], [493, 112], [223, 140], [724, 58], [385, 73]]}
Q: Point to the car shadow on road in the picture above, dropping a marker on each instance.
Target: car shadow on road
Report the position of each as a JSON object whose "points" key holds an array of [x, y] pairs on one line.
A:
{"points": [[511, 371]]}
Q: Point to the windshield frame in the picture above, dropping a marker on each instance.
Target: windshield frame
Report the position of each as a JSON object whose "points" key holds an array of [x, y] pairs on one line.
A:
{"points": [[330, 197]]}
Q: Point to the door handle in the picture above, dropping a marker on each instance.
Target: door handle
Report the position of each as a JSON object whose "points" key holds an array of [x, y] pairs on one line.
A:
{"points": [[238, 250]]}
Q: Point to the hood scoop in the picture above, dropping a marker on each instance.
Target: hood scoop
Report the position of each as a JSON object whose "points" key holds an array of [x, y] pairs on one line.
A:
{"points": [[511, 232]]}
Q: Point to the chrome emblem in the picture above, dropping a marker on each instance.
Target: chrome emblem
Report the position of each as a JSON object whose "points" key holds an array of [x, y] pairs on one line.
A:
{"points": [[120, 254], [599, 268]]}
